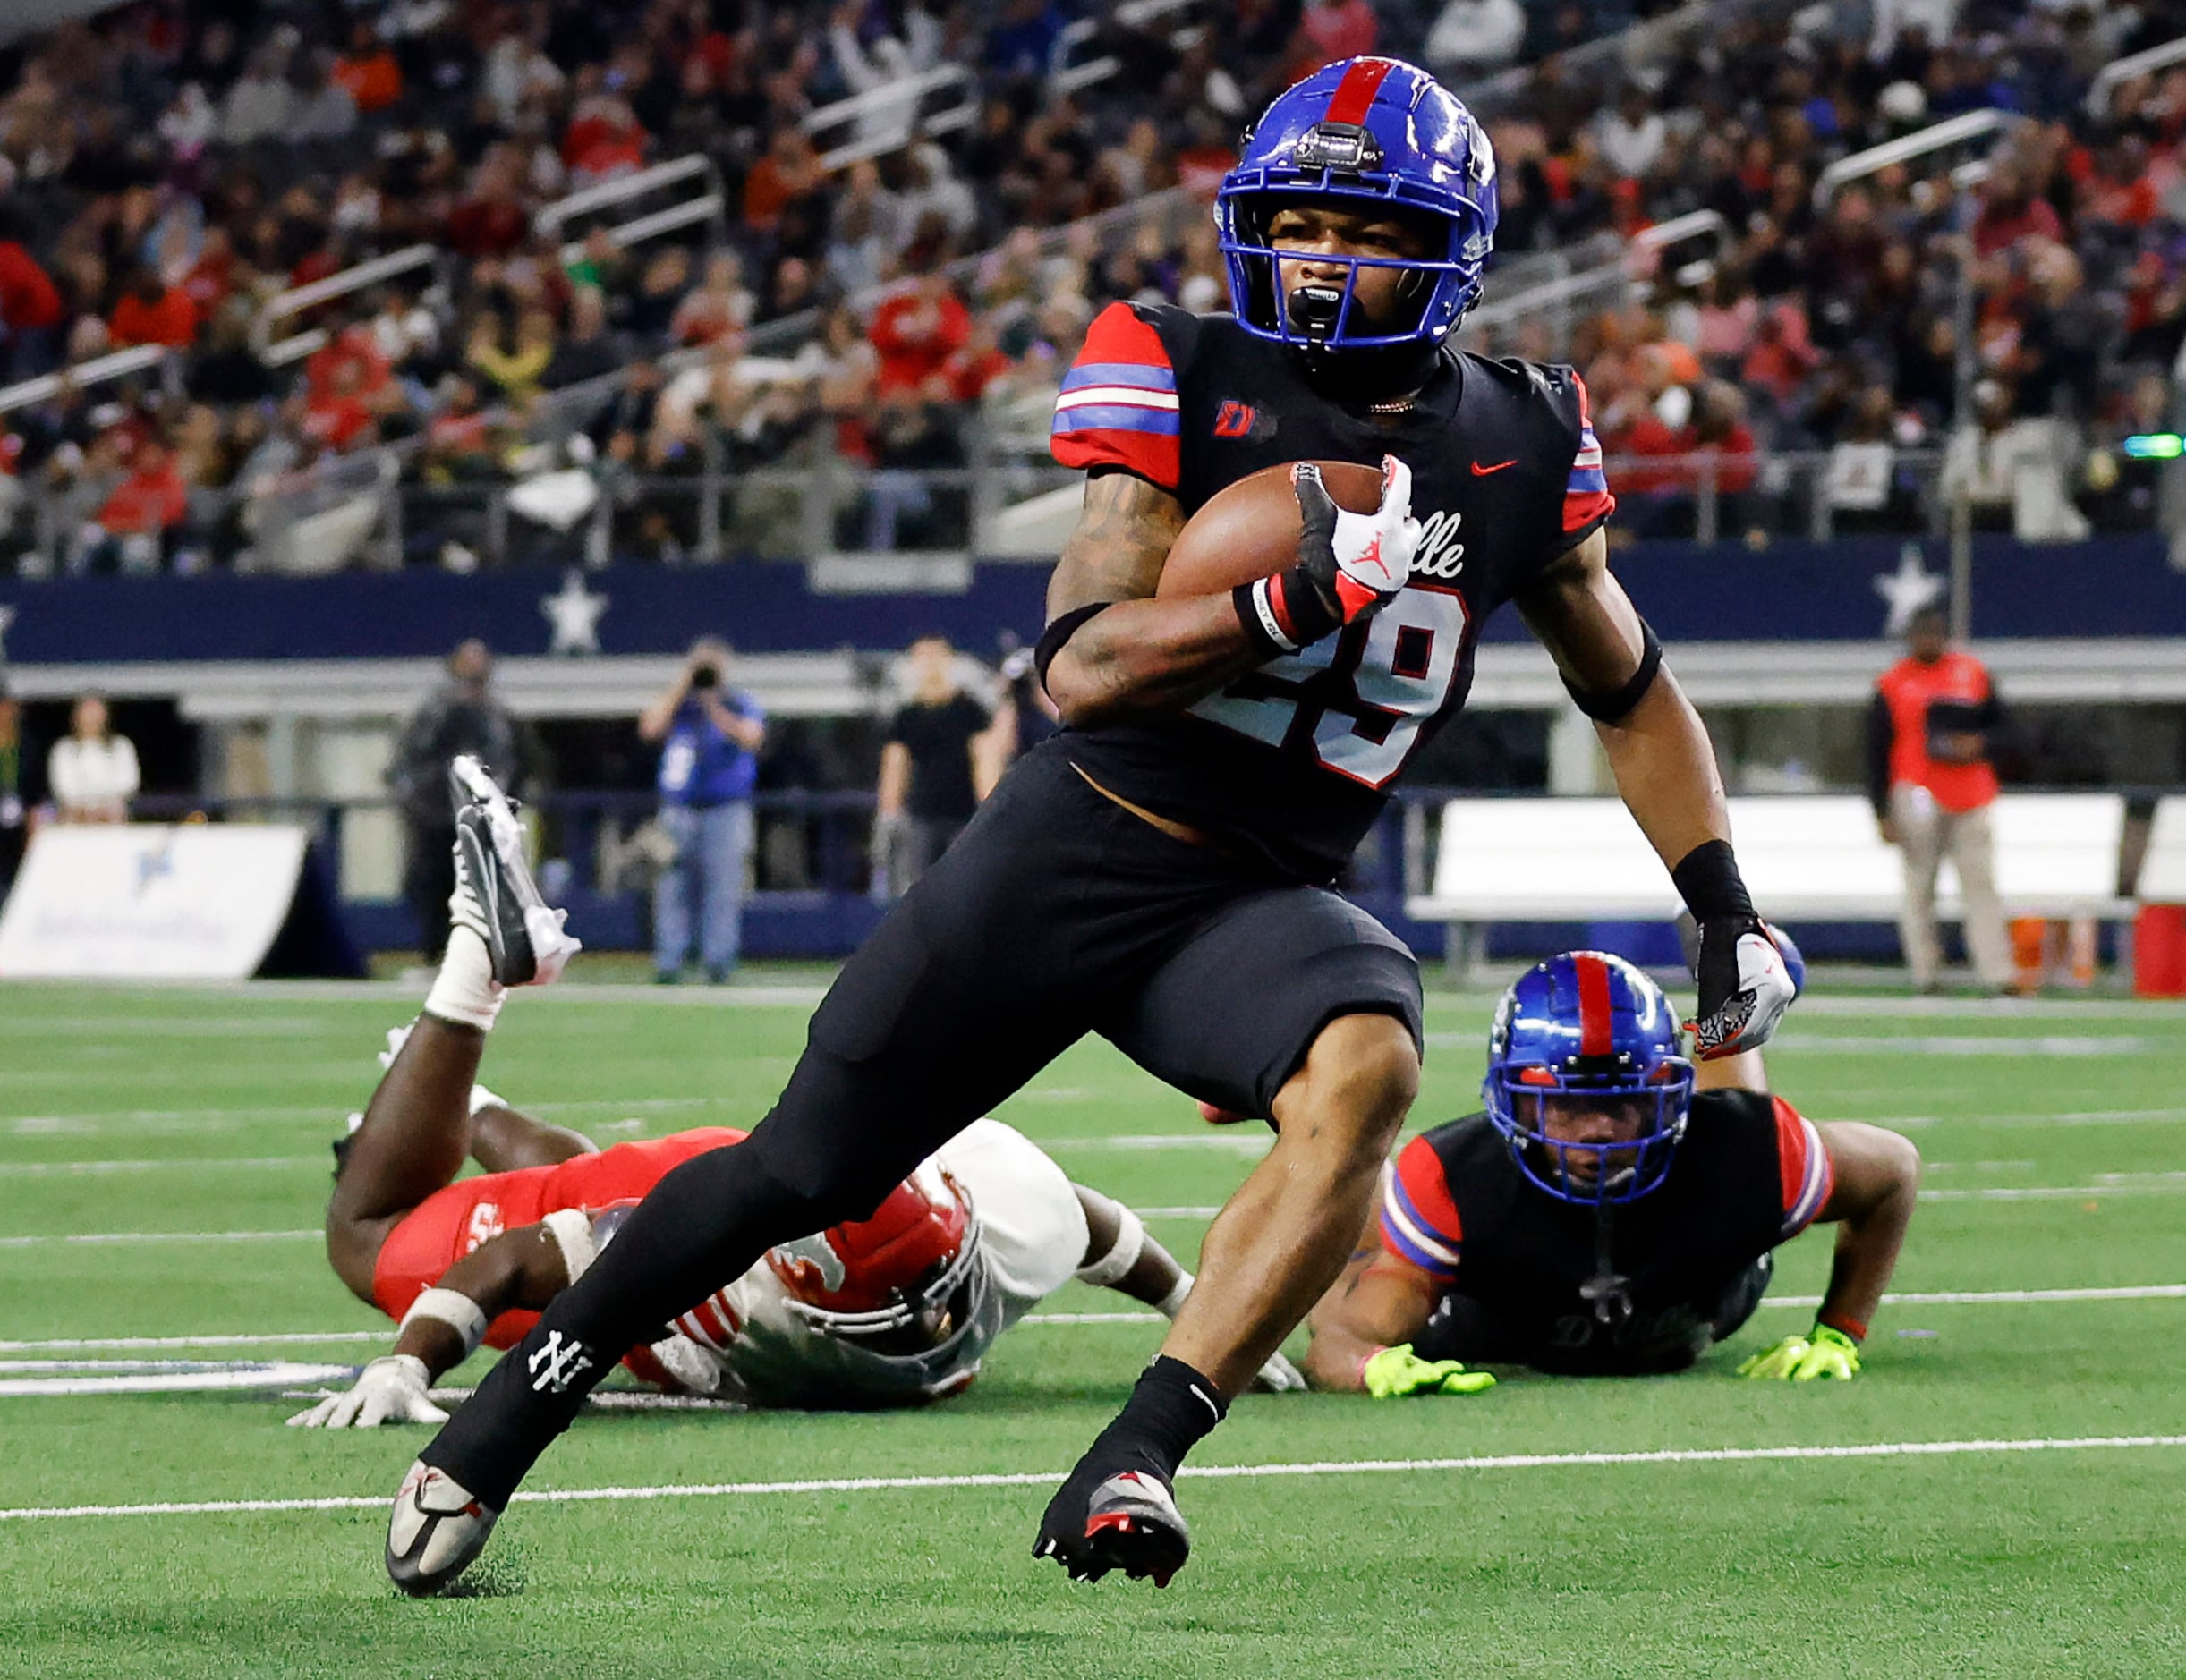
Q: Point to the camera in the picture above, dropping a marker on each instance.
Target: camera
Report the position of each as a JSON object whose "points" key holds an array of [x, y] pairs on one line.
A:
{"points": [[706, 676]]}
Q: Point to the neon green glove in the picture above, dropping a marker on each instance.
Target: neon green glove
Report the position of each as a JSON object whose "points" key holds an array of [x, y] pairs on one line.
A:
{"points": [[1827, 1352], [1398, 1370]]}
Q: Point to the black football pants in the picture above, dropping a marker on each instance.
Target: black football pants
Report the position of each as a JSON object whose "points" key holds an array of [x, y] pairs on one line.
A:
{"points": [[1056, 912]]}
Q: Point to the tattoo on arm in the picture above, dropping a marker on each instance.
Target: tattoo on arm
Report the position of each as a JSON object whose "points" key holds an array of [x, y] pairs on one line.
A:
{"points": [[1122, 538]]}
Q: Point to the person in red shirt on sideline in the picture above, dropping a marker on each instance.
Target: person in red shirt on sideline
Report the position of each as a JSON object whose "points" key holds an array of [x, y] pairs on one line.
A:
{"points": [[1931, 732], [917, 330], [153, 312]]}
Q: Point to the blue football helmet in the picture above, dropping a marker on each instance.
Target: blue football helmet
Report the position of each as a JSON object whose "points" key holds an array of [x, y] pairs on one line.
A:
{"points": [[1380, 132], [1590, 1025]]}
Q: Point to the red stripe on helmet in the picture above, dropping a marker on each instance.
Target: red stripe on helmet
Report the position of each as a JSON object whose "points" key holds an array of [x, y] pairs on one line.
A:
{"points": [[1594, 1035], [1354, 93]]}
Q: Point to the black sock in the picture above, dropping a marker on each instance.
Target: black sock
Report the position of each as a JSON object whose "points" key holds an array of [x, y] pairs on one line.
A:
{"points": [[700, 1227], [1172, 1407]]}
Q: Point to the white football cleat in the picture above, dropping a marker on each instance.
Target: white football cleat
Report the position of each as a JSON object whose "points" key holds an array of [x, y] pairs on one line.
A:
{"points": [[434, 1532], [495, 894]]}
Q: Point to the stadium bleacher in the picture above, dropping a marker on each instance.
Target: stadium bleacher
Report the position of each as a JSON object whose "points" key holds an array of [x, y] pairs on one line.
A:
{"points": [[623, 184]]}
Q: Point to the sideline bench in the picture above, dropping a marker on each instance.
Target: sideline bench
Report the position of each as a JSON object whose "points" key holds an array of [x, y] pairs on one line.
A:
{"points": [[1806, 858]]}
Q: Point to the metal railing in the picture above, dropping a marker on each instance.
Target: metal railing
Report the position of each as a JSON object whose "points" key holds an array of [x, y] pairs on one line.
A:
{"points": [[1609, 59], [2114, 75], [278, 353], [122, 364], [1970, 129], [889, 117], [710, 205], [1070, 73]]}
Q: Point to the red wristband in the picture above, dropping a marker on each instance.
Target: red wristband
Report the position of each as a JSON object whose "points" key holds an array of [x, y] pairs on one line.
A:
{"points": [[1843, 1323]]}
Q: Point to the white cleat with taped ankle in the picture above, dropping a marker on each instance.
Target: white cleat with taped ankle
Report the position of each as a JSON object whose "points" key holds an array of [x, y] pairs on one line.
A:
{"points": [[495, 895]]}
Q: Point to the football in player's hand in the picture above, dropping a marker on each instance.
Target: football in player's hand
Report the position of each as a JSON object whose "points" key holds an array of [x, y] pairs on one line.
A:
{"points": [[1250, 529]]}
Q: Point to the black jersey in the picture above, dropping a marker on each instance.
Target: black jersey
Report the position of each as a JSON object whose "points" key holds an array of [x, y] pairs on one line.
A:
{"points": [[1293, 762], [1751, 1173]]}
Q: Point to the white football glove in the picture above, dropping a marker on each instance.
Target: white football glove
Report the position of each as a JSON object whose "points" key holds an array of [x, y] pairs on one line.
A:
{"points": [[1357, 561], [390, 1390], [1280, 1376]]}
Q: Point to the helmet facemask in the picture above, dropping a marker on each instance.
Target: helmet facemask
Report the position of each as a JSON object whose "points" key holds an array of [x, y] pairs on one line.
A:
{"points": [[1593, 1174]]}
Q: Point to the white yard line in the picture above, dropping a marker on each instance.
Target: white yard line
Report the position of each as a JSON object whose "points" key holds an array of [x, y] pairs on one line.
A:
{"points": [[1209, 1472], [229, 1164], [315, 1233]]}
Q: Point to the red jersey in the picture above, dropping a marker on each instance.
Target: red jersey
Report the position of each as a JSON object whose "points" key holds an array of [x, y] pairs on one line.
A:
{"points": [[451, 1222], [1924, 700]]}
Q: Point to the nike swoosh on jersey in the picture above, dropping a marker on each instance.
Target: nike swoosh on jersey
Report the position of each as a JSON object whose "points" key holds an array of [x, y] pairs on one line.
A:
{"points": [[1480, 471]]}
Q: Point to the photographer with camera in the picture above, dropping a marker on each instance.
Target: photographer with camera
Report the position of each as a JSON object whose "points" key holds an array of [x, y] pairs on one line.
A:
{"points": [[710, 735]]}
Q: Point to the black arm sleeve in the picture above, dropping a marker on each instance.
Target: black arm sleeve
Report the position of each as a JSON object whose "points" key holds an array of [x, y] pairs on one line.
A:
{"points": [[1881, 734]]}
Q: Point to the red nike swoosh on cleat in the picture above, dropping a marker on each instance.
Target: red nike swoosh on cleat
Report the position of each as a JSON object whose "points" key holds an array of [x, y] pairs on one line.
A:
{"points": [[1480, 471]]}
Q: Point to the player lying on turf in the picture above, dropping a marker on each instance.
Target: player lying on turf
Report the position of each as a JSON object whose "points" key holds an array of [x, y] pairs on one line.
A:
{"points": [[891, 1311], [1159, 873], [1612, 1212]]}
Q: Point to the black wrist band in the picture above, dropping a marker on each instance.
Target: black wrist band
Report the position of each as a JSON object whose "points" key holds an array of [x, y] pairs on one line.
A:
{"points": [[1707, 879], [1284, 613]]}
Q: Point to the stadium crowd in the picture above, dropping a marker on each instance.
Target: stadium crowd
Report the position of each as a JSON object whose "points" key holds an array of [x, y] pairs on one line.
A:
{"points": [[166, 169]]}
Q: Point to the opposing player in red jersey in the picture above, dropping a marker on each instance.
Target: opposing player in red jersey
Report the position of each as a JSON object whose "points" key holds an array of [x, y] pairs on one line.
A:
{"points": [[895, 1309], [1612, 1212], [1159, 873]]}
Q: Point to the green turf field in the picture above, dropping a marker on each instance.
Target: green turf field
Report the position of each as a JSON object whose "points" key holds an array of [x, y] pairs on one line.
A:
{"points": [[2056, 1140]]}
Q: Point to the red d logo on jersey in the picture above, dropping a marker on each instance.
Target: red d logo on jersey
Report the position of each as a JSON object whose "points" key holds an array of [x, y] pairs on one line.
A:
{"points": [[1234, 419]]}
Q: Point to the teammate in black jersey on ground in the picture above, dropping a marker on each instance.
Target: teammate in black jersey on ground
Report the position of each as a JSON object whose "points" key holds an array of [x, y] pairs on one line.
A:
{"points": [[1157, 873], [1603, 1216]]}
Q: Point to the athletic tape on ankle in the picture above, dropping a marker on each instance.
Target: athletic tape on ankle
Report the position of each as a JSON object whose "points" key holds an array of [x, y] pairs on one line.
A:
{"points": [[1171, 1304], [481, 1098], [1113, 1267], [454, 1308], [572, 1230]]}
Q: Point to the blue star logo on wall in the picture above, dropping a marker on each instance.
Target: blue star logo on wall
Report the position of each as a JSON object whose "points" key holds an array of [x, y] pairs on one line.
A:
{"points": [[1911, 587], [574, 613]]}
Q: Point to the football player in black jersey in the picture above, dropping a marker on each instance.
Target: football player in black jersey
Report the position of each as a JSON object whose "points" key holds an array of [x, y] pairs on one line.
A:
{"points": [[1612, 1212], [1158, 871]]}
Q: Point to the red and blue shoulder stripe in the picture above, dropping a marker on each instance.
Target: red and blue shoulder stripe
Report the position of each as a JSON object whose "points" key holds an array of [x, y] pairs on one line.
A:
{"points": [[1419, 1217], [1587, 500], [1118, 402]]}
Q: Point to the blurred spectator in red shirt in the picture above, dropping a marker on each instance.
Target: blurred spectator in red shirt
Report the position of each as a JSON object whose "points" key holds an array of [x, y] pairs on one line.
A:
{"points": [[152, 499], [31, 314], [1330, 29], [2010, 212], [976, 364], [916, 329], [603, 140], [369, 71], [492, 221], [339, 415], [153, 312], [790, 170]]}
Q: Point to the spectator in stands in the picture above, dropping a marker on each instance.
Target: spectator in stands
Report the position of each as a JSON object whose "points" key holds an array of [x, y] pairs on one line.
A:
{"points": [[92, 772], [133, 525], [718, 306], [710, 735], [368, 70], [916, 330], [1932, 735], [514, 369], [464, 717], [31, 312], [153, 312], [588, 351], [942, 757], [1473, 37]]}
